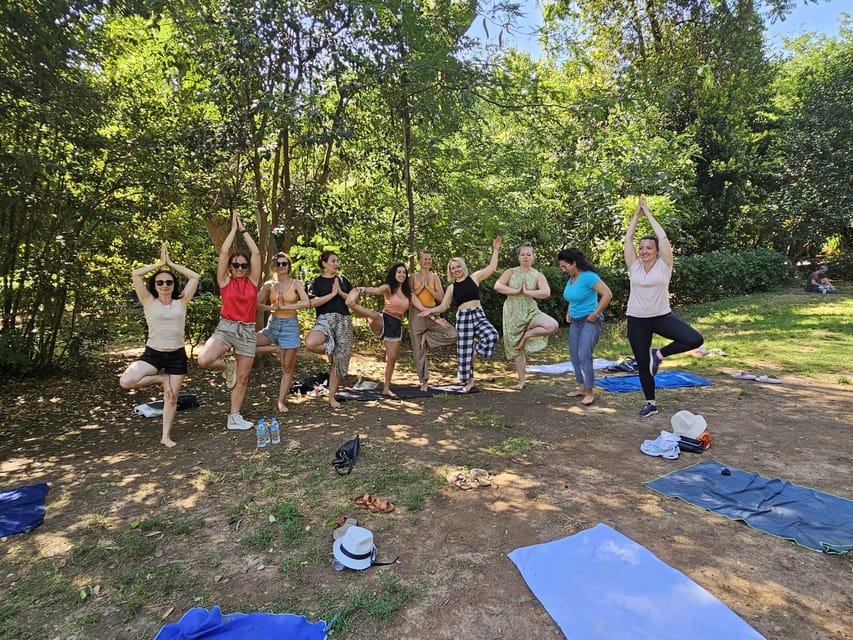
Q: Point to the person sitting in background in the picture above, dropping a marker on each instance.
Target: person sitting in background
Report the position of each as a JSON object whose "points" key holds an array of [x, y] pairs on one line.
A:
{"points": [[817, 282]]}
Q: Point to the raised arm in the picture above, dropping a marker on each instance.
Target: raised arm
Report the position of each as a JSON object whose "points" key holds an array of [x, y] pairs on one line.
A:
{"points": [[255, 260], [630, 249], [222, 273], [192, 277], [664, 247], [381, 290], [139, 287], [481, 274]]}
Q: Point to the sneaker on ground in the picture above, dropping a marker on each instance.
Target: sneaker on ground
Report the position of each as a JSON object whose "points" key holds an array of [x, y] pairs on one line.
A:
{"points": [[230, 374], [236, 422], [648, 409], [654, 361]]}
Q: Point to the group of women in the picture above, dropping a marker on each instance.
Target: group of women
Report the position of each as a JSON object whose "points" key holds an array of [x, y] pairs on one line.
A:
{"points": [[422, 297]]}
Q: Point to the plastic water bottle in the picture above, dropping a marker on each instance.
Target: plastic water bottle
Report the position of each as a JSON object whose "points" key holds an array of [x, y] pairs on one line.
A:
{"points": [[336, 565], [262, 434], [275, 435]]}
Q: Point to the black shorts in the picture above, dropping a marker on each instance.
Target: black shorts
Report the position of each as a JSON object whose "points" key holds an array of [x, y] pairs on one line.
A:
{"points": [[172, 362], [392, 328]]}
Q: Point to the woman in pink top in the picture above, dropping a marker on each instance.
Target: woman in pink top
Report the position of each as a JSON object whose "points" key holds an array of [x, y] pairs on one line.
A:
{"points": [[237, 276], [388, 324], [649, 313], [165, 307]]}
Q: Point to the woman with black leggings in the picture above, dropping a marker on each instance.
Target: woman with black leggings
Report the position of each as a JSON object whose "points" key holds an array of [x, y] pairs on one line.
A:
{"points": [[649, 313]]}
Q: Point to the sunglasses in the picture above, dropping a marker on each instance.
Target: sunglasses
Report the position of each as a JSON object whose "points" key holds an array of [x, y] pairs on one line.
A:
{"points": [[282, 263], [240, 265], [164, 283]]}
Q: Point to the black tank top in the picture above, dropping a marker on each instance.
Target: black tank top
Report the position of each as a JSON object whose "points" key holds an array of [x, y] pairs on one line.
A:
{"points": [[465, 291]]}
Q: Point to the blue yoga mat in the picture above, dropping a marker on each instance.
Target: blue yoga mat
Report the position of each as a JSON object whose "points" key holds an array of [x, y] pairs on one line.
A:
{"points": [[663, 380], [811, 518], [22, 509], [599, 584], [198, 624]]}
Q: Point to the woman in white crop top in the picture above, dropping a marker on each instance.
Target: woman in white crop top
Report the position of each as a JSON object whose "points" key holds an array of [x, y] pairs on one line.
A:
{"points": [[649, 313], [165, 307]]}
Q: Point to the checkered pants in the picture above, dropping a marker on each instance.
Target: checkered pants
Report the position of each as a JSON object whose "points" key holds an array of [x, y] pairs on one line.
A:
{"points": [[470, 324]]}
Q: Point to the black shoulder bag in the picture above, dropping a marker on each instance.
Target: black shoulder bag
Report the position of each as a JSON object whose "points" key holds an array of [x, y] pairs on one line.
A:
{"points": [[345, 456]]}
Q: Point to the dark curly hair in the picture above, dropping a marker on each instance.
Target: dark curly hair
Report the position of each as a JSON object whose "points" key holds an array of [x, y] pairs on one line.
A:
{"points": [[176, 288], [575, 257], [391, 280]]}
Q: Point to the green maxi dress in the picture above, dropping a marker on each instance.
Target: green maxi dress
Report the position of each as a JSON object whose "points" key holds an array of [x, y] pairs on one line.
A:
{"points": [[518, 313]]}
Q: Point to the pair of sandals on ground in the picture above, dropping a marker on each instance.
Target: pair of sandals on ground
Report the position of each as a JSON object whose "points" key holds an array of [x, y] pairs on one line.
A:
{"points": [[745, 375]]}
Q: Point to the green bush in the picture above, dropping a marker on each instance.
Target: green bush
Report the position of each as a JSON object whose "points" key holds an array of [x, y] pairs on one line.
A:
{"points": [[202, 318], [15, 356], [720, 274]]}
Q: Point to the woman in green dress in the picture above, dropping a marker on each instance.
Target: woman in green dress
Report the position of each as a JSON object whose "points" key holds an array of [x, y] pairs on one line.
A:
{"points": [[525, 327]]}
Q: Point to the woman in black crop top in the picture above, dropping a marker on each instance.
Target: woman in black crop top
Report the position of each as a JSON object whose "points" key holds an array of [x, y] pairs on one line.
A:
{"points": [[471, 321]]}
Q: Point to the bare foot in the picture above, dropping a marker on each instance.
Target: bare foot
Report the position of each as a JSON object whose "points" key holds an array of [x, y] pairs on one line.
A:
{"points": [[282, 407], [389, 393], [588, 399], [333, 403], [424, 386], [519, 386], [468, 386], [352, 296], [577, 393], [168, 442], [519, 346]]}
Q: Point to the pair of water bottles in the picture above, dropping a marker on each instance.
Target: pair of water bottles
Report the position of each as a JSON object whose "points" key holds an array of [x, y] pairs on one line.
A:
{"points": [[267, 434]]}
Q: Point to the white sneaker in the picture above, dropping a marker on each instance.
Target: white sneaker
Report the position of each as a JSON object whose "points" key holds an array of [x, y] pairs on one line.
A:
{"points": [[236, 422], [230, 374]]}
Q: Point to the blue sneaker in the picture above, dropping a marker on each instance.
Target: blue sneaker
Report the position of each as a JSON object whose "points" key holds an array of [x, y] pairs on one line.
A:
{"points": [[654, 361], [648, 409]]}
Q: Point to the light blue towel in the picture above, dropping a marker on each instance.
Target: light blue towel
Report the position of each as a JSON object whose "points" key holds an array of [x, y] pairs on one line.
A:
{"points": [[601, 585], [560, 368], [663, 380], [201, 624]]}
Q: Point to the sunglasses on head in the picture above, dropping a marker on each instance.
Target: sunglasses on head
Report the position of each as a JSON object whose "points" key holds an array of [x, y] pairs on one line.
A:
{"points": [[282, 263], [240, 265], [164, 283]]}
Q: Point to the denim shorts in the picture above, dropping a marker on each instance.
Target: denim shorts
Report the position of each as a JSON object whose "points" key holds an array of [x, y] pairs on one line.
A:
{"points": [[283, 332]]}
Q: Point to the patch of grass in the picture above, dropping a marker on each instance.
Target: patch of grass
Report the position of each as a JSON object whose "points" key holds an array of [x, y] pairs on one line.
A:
{"points": [[283, 525], [372, 609], [482, 418], [186, 526], [515, 446], [791, 332], [152, 523]]}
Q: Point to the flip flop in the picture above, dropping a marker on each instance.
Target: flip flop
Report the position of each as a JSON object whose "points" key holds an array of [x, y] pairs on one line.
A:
{"points": [[588, 402], [743, 375], [768, 379], [481, 477]]}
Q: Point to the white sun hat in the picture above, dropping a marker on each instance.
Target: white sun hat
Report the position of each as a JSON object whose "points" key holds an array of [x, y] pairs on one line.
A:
{"points": [[355, 548], [688, 424]]}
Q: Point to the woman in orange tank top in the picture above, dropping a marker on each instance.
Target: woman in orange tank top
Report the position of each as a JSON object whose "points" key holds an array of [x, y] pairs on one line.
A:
{"points": [[282, 295], [387, 324]]}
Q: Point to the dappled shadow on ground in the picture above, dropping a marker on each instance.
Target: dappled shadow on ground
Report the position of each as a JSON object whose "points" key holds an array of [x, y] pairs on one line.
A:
{"points": [[141, 533]]}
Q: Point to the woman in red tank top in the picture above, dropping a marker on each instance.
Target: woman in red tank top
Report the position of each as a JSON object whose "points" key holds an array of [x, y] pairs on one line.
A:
{"points": [[237, 276]]}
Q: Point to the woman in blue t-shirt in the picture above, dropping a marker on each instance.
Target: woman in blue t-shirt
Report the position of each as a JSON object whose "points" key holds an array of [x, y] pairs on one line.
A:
{"points": [[588, 296]]}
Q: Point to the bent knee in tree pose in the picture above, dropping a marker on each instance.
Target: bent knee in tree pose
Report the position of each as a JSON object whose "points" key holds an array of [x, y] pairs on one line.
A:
{"points": [[476, 335], [526, 328], [237, 276], [649, 270], [165, 307]]}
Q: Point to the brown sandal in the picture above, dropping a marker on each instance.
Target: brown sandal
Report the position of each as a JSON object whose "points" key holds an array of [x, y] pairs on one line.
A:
{"points": [[460, 480], [481, 477], [381, 506]]}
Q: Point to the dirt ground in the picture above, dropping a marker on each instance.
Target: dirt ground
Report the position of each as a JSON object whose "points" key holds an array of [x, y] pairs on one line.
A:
{"points": [[106, 469]]}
